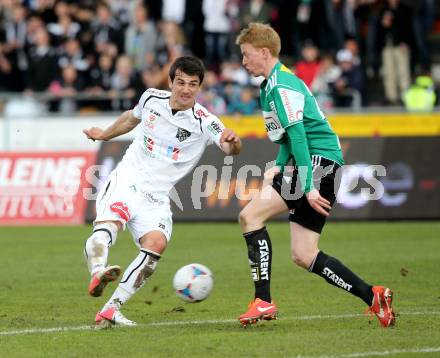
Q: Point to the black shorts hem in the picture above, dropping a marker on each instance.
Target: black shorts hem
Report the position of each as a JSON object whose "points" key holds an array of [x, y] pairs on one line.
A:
{"points": [[311, 225]]}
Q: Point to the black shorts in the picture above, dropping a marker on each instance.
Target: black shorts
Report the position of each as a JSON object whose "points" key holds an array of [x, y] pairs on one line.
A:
{"points": [[289, 187]]}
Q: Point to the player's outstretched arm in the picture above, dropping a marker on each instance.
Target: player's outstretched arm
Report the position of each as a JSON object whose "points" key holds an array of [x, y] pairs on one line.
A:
{"points": [[124, 124], [230, 142]]}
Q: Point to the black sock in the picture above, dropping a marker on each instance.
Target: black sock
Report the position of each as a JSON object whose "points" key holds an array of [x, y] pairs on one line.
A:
{"points": [[336, 274], [260, 259]]}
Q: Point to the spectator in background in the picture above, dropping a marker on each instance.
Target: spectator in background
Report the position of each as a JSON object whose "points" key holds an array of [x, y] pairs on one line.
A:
{"points": [[174, 51], [101, 75], [63, 30], [348, 87], [308, 67], [233, 72], [106, 31], [61, 9], [42, 63], [141, 38], [151, 77], [396, 31], [212, 82], [5, 72], [173, 10], [73, 55], [420, 97], [101, 81], [34, 23], [351, 45], [44, 9], [170, 36], [84, 14], [256, 11], [14, 47], [123, 83], [369, 16], [69, 85], [212, 94], [217, 29], [212, 101], [192, 27], [327, 75], [123, 11], [341, 22], [245, 104], [423, 15]]}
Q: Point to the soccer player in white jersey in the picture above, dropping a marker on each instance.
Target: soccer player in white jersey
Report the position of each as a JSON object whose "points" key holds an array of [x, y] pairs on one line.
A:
{"points": [[173, 132]]}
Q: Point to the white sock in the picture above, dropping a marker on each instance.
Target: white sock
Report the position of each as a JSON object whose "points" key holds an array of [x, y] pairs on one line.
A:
{"points": [[119, 297], [96, 250], [135, 276]]}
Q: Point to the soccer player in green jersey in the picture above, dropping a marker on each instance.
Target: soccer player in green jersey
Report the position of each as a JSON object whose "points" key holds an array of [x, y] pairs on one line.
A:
{"points": [[295, 122]]}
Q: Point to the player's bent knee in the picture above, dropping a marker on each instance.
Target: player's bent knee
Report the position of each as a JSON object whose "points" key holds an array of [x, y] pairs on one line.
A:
{"points": [[242, 218], [154, 241], [301, 260], [108, 229], [251, 220], [113, 225]]}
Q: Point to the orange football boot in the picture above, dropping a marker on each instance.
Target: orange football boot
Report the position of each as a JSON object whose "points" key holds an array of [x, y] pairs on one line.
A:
{"points": [[258, 309], [381, 307], [101, 278]]}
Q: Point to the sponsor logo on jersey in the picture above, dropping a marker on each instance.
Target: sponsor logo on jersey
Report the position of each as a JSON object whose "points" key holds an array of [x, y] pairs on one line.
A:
{"points": [[272, 106], [201, 113], [149, 143], [336, 279], [151, 118], [149, 122], [287, 105], [293, 103], [151, 198], [173, 152], [182, 134], [157, 92], [271, 125], [214, 128], [121, 209]]}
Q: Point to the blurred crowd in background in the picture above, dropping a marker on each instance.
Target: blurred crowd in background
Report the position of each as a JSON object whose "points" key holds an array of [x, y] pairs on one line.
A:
{"points": [[101, 55]]}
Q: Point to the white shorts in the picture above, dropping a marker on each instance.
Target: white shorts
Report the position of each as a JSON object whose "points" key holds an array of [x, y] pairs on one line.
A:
{"points": [[121, 199]]}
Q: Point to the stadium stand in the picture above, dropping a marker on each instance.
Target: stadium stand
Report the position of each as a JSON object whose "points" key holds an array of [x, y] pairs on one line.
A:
{"points": [[87, 56]]}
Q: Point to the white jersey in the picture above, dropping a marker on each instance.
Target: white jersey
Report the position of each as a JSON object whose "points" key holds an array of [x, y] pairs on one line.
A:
{"points": [[167, 146]]}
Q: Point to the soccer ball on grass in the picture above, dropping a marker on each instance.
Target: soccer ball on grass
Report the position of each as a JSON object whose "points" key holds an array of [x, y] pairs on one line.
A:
{"points": [[193, 282]]}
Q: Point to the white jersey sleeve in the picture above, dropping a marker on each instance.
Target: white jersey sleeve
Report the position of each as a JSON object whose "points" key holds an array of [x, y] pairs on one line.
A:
{"points": [[151, 92], [211, 125]]}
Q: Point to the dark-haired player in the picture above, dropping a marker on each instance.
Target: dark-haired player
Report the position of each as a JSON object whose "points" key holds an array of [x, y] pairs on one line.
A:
{"points": [[172, 134]]}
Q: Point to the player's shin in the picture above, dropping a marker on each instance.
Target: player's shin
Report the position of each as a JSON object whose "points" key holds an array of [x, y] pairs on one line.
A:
{"points": [[135, 276], [260, 259], [96, 249], [337, 274]]}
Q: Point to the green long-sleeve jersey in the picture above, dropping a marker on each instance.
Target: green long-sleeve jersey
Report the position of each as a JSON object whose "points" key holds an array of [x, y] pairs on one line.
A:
{"points": [[294, 120]]}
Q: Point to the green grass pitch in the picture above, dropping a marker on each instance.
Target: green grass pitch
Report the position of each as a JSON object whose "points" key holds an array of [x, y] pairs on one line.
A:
{"points": [[45, 310]]}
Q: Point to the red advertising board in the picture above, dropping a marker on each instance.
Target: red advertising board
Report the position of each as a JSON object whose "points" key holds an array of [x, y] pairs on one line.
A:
{"points": [[44, 188]]}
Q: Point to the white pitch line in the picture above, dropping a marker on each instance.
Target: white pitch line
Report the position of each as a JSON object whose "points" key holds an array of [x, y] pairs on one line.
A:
{"points": [[379, 353], [185, 323]]}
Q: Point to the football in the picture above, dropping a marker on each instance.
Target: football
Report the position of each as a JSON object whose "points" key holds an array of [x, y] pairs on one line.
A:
{"points": [[193, 282]]}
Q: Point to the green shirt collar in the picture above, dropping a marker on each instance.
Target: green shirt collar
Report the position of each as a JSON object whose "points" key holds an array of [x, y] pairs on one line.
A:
{"points": [[275, 68]]}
